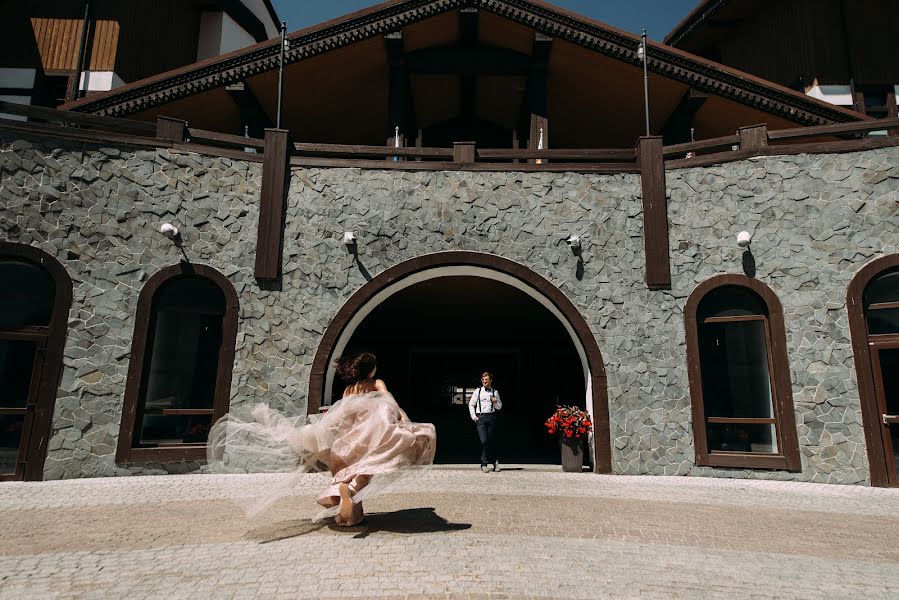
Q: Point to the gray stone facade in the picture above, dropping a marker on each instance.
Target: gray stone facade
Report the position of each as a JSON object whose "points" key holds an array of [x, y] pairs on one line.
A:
{"points": [[816, 221]]}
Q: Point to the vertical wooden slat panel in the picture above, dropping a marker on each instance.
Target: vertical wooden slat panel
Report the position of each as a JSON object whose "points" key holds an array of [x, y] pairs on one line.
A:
{"points": [[272, 204], [655, 212], [169, 129]]}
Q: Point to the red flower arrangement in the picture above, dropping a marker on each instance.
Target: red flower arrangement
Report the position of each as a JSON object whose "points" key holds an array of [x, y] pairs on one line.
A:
{"points": [[570, 423]]}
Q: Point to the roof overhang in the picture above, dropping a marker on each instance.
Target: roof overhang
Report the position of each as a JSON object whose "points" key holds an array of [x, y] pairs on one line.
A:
{"points": [[391, 16]]}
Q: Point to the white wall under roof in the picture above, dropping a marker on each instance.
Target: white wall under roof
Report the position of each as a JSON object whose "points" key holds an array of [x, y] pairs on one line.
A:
{"points": [[220, 34], [257, 7]]}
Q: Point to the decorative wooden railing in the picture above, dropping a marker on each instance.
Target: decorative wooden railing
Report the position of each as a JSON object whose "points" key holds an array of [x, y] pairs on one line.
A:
{"points": [[167, 132]]}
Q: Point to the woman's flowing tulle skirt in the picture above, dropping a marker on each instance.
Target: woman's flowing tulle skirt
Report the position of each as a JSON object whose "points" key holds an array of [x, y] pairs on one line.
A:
{"points": [[362, 435]]}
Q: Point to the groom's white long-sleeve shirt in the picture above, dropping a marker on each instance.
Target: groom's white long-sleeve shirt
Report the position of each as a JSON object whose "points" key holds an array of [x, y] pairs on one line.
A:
{"points": [[480, 402]]}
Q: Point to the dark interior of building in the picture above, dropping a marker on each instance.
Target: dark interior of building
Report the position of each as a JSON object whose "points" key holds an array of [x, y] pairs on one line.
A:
{"points": [[435, 338]]}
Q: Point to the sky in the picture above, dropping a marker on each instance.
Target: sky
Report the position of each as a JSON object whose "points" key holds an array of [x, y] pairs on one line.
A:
{"points": [[657, 16]]}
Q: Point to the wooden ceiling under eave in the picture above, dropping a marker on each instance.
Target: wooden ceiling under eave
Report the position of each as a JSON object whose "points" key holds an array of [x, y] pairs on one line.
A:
{"points": [[462, 68]]}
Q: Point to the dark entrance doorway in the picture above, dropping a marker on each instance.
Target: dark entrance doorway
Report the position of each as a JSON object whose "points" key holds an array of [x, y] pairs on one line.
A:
{"points": [[433, 340]]}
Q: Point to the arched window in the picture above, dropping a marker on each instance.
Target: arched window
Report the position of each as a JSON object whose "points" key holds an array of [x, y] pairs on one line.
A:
{"points": [[873, 303], [179, 377], [739, 376], [35, 297]]}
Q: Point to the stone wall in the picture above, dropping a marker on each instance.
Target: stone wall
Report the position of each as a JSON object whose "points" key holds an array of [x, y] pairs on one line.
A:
{"points": [[815, 220]]}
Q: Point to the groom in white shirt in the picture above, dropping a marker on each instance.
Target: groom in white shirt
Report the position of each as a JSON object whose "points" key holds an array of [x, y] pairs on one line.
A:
{"points": [[483, 408]]}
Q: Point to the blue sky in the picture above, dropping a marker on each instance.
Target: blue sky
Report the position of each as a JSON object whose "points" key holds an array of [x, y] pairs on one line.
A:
{"points": [[657, 16]]}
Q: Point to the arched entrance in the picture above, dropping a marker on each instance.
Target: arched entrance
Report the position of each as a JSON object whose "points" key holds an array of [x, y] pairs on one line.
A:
{"points": [[514, 282], [35, 298], [872, 300]]}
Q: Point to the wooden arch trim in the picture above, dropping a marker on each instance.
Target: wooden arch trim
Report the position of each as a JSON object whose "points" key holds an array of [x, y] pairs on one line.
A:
{"points": [[389, 277], [781, 385], [390, 16], [52, 364], [858, 331], [136, 366]]}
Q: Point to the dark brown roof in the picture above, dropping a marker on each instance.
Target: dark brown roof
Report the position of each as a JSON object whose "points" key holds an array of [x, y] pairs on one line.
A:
{"points": [[388, 17]]}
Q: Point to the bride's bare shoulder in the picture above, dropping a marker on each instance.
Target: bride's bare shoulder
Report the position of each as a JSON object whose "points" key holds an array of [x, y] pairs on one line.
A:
{"points": [[380, 385]]}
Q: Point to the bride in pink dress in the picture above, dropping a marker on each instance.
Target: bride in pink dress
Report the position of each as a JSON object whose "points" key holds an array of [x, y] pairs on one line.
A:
{"points": [[365, 440]]}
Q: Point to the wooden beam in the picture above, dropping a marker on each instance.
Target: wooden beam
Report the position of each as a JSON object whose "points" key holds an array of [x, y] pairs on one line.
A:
{"points": [[272, 204], [399, 94], [655, 212], [537, 110], [252, 113], [678, 127], [453, 60], [468, 45]]}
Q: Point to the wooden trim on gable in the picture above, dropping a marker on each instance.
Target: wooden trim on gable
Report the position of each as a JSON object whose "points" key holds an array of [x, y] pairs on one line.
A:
{"points": [[698, 73]]}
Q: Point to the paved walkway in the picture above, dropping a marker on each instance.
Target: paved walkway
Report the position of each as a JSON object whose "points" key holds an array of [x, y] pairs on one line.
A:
{"points": [[454, 533]]}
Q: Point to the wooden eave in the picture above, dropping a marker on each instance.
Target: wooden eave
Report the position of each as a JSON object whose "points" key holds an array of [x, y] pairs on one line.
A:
{"points": [[391, 16]]}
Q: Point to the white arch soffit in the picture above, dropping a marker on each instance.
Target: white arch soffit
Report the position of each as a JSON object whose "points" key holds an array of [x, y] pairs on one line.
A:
{"points": [[454, 271]]}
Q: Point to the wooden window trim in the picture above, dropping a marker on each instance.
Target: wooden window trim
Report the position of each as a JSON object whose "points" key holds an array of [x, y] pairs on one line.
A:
{"points": [[221, 403], [54, 336], [883, 306], [788, 458], [861, 350], [734, 319]]}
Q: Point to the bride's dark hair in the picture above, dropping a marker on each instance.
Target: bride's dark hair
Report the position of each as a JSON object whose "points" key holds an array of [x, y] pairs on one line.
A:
{"points": [[352, 369]]}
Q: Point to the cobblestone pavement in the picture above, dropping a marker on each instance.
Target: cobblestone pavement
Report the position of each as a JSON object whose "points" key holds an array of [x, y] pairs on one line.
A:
{"points": [[453, 533]]}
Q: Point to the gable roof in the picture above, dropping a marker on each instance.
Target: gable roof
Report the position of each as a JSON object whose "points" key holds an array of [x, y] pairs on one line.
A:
{"points": [[390, 16]]}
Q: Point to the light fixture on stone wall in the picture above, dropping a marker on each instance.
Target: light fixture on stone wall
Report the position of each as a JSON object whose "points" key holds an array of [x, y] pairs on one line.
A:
{"points": [[744, 238], [349, 240], [574, 243], [169, 231]]}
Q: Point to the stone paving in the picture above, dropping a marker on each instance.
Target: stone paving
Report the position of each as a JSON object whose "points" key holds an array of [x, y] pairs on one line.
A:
{"points": [[530, 532]]}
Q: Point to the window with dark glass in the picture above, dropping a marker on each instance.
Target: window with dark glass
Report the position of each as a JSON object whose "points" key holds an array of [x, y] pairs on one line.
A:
{"points": [[742, 410], [736, 373], [181, 364], [26, 307], [881, 305]]}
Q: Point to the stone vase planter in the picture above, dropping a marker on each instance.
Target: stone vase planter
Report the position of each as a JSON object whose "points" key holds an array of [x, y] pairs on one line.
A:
{"points": [[572, 455]]}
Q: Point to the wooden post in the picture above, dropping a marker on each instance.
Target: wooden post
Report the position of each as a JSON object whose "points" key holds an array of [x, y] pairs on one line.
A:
{"points": [[655, 212], [170, 129], [463, 152], [892, 111], [537, 94], [272, 203], [754, 136]]}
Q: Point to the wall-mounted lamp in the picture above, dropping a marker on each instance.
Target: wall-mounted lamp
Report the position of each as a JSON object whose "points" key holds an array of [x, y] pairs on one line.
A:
{"points": [[349, 238], [744, 238], [574, 242], [169, 231]]}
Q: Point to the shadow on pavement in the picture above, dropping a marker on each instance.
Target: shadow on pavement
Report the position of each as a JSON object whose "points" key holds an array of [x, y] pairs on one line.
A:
{"points": [[282, 530], [410, 520]]}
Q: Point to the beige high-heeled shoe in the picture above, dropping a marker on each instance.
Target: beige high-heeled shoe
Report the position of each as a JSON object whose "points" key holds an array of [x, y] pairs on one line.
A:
{"points": [[348, 512]]}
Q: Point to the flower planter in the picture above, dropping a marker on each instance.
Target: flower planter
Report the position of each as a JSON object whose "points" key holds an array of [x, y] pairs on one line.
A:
{"points": [[572, 456]]}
